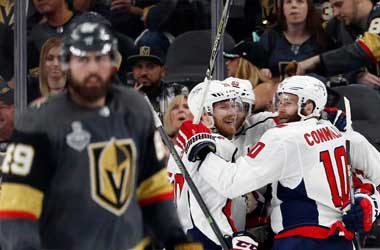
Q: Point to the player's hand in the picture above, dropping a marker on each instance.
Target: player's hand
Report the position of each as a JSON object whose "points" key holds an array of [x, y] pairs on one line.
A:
{"points": [[121, 4], [337, 117], [266, 72], [368, 79], [242, 240], [196, 140], [189, 246], [362, 214], [307, 65]]}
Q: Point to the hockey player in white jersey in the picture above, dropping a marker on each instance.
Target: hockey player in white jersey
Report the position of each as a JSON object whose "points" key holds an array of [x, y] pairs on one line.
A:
{"points": [[250, 127], [306, 162], [220, 115]]}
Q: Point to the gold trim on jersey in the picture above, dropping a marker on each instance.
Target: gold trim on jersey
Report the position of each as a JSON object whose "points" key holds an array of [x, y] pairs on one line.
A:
{"points": [[142, 244], [113, 170], [155, 186], [21, 197], [372, 41], [7, 9]]}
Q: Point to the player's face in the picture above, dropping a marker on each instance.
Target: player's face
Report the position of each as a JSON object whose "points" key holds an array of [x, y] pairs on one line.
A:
{"points": [[232, 66], [147, 74], [225, 114], [288, 108], [180, 113], [6, 120], [56, 78], [241, 116], [295, 11], [344, 10], [45, 7], [90, 75]]}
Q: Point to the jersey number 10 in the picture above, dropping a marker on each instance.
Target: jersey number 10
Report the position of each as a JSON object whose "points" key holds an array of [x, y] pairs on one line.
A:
{"points": [[341, 199]]}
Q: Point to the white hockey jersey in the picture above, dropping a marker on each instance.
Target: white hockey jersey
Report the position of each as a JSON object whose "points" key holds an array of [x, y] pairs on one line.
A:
{"points": [[306, 163], [255, 126], [189, 211]]}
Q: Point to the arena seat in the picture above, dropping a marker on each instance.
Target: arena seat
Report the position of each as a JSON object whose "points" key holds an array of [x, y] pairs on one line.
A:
{"points": [[189, 55], [365, 110]]}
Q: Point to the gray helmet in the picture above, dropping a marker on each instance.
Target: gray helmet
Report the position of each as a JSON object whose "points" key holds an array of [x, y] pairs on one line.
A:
{"points": [[85, 37]]}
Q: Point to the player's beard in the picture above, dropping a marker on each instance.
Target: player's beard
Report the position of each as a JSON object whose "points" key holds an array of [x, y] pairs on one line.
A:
{"points": [[92, 93], [284, 118], [227, 130]]}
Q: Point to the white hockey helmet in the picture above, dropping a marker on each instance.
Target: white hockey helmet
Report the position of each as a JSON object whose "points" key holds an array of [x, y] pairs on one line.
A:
{"points": [[217, 92], [243, 88], [306, 88]]}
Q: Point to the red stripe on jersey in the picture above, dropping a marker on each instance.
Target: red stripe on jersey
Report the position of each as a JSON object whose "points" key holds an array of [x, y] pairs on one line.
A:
{"points": [[316, 232], [6, 214], [227, 212], [276, 120], [154, 199]]}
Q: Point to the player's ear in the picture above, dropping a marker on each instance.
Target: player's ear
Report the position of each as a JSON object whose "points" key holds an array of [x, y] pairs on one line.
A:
{"points": [[163, 71]]}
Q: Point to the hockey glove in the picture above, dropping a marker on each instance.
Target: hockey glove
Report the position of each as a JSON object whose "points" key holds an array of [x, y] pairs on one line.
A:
{"points": [[242, 240], [362, 214], [337, 117], [196, 140]]}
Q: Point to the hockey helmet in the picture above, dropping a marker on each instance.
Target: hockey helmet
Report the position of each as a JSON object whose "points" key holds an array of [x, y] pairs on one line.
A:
{"points": [[244, 90], [217, 92], [306, 88], [85, 37]]}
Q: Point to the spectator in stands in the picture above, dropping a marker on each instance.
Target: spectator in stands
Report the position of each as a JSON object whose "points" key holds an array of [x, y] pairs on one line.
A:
{"points": [[298, 35], [57, 18], [124, 15], [148, 68], [7, 111], [52, 79], [178, 111], [352, 20], [245, 60]]}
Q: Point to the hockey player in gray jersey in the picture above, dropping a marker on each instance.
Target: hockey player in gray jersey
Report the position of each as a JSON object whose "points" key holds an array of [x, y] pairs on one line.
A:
{"points": [[84, 170]]}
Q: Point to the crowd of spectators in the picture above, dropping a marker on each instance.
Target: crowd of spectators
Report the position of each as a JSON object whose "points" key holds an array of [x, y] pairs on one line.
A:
{"points": [[290, 31]]}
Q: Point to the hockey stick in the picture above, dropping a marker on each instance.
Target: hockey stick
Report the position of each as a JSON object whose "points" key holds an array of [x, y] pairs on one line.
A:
{"points": [[347, 108], [189, 181], [214, 54]]}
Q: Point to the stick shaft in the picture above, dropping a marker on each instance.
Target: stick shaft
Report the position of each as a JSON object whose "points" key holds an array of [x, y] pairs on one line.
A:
{"points": [[188, 178], [214, 54], [347, 108]]}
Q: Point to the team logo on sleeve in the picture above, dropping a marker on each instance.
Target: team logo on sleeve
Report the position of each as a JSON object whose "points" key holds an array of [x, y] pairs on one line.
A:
{"points": [[112, 168]]}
